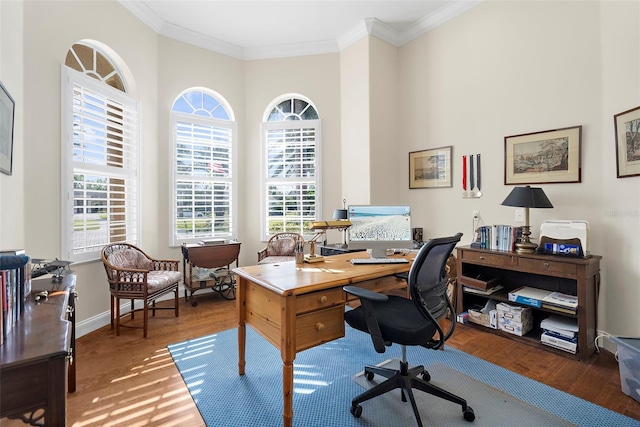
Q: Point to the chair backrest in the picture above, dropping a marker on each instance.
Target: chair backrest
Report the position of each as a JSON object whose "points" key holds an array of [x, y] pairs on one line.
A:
{"points": [[124, 255], [282, 244], [428, 282]]}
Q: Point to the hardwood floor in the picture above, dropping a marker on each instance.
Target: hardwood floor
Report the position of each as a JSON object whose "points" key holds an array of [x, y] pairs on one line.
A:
{"points": [[131, 381]]}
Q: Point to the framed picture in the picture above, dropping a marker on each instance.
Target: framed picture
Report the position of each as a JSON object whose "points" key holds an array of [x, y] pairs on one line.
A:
{"points": [[627, 126], [7, 113], [546, 157], [430, 168]]}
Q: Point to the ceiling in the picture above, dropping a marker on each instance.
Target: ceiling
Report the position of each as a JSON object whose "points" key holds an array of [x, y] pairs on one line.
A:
{"points": [[263, 29]]}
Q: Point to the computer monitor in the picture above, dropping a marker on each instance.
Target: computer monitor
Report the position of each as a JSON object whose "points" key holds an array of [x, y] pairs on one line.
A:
{"points": [[380, 227]]}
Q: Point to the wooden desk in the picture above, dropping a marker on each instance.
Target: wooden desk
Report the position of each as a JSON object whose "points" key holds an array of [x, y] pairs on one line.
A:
{"points": [[299, 306], [35, 356]]}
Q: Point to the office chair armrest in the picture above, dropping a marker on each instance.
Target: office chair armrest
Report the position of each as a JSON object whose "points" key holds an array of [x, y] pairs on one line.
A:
{"points": [[365, 294], [367, 299]]}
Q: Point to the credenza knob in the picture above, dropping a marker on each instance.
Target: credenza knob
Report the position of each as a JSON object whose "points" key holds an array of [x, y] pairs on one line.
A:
{"points": [[323, 299], [319, 327], [546, 265]]}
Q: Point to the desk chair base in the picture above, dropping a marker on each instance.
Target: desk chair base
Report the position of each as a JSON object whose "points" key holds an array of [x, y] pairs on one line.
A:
{"points": [[406, 379]]}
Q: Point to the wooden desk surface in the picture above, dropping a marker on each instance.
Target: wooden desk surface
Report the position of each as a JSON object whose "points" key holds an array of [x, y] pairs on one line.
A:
{"points": [[289, 278]]}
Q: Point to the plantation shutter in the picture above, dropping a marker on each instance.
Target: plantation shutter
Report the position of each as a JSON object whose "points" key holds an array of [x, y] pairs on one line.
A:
{"points": [[291, 175], [101, 154]]}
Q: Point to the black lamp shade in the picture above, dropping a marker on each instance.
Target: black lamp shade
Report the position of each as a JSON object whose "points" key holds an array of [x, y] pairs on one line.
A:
{"points": [[340, 214], [527, 197]]}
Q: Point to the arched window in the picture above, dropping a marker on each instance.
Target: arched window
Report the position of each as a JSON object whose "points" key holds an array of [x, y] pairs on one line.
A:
{"points": [[203, 164], [291, 166], [100, 149]]}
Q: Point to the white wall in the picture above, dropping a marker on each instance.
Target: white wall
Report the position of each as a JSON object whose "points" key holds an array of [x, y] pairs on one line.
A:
{"points": [[507, 68], [502, 68], [50, 29], [12, 222]]}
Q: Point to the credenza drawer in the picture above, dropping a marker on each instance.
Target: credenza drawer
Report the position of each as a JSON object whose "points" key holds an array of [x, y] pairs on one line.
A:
{"points": [[318, 327], [484, 258], [541, 266], [319, 300]]}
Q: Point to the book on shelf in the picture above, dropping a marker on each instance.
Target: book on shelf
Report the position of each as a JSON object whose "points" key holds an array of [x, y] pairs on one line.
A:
{"points": [[559, 309], [477, 291], [528, 296], [561, 300], [559, 343], [563, 326]]}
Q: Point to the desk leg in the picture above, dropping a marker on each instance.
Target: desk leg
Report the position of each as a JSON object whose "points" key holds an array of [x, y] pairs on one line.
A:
{"points": [[241, 287], [287, 388]]}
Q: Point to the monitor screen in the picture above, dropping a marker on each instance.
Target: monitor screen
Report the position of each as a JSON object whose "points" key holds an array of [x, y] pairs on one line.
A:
{"points": [[380, 227]]}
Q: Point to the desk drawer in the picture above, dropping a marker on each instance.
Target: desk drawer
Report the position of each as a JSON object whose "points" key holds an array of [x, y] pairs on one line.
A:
{"points": [[318, 327], [484, 258], [319, 300], [541, 267]]}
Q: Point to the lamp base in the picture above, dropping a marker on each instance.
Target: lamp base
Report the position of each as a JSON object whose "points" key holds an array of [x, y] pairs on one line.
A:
{"points": [[526, 248], [313, 258]]}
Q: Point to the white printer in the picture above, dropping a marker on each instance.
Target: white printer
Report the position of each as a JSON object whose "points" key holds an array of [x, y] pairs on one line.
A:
{"points": [[562, 236]]}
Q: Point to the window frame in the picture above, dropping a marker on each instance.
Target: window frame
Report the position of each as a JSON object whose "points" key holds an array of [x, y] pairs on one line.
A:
{"points": [[69, 78]]}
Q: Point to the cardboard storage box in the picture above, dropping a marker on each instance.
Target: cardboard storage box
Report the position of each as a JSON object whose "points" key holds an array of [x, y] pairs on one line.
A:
{"points": [[513, 327], [515, 313], [485, 316], [629, 364]]}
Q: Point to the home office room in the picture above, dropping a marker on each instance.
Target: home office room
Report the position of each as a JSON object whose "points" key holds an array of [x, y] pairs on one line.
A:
{"points": [[515, 118]]}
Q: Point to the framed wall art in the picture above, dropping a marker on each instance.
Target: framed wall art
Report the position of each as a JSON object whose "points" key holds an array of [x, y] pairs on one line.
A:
{"points": [[551, 156], [627, 125], [430, 168], [7, 114]]}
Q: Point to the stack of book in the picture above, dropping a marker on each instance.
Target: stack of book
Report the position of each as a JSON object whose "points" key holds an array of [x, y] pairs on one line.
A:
{"points": [[561, 302], [560, 332], [498, 237]]}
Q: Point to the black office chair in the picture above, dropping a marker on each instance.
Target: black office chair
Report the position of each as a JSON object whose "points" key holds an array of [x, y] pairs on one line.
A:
{"points": [[393, 319]]}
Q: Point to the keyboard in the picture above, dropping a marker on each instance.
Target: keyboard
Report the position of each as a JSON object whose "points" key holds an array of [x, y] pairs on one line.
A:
{"points": [[357, 261]]}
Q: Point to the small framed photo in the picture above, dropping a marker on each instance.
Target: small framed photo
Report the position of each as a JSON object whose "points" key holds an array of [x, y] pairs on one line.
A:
{"points": [[7, 114], [627, 126], [430, 168], [551, 156]]}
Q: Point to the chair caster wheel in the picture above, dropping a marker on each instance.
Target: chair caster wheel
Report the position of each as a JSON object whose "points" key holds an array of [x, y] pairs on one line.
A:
{"points": [[468, 414], [368, 375], [194, 303], [356, 410], [426, 376]]}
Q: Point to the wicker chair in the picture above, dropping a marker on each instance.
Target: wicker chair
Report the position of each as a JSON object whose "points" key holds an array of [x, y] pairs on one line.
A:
{"points": [[134, 275], [280, 247]]}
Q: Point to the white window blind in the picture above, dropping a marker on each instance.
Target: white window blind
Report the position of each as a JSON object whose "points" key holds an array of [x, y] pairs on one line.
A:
{"points": [[100, 166], [204, 178], [291, 175]]}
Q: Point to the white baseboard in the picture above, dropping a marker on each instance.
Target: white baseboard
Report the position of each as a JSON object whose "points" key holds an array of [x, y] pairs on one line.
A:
{"points": [[103, 319]]}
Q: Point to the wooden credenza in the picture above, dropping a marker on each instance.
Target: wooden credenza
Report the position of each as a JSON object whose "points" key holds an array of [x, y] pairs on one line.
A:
{"points": [[37, 361], [574, 276]]}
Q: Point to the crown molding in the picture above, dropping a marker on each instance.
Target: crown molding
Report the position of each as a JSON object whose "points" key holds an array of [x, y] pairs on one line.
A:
{"points": [[370, 26]]}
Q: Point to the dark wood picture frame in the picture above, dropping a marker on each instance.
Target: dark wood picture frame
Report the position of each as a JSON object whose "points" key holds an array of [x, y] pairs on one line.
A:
{"points": [[550, 156], [7, 117], [627, 128], [430, 168]]}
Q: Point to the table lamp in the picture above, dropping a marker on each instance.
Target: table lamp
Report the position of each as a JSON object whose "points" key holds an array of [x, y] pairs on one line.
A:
{"points": [[527, 197], [341, 215]]}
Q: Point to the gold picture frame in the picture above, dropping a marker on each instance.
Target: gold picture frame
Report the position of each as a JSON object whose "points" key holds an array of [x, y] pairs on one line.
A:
{"points": [[430, 168], [7, 117], [627, 126], [546, 157]]}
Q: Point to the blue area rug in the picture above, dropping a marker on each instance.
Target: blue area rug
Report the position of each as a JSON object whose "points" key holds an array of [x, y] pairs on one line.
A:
{"points": [[324, 386]]}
